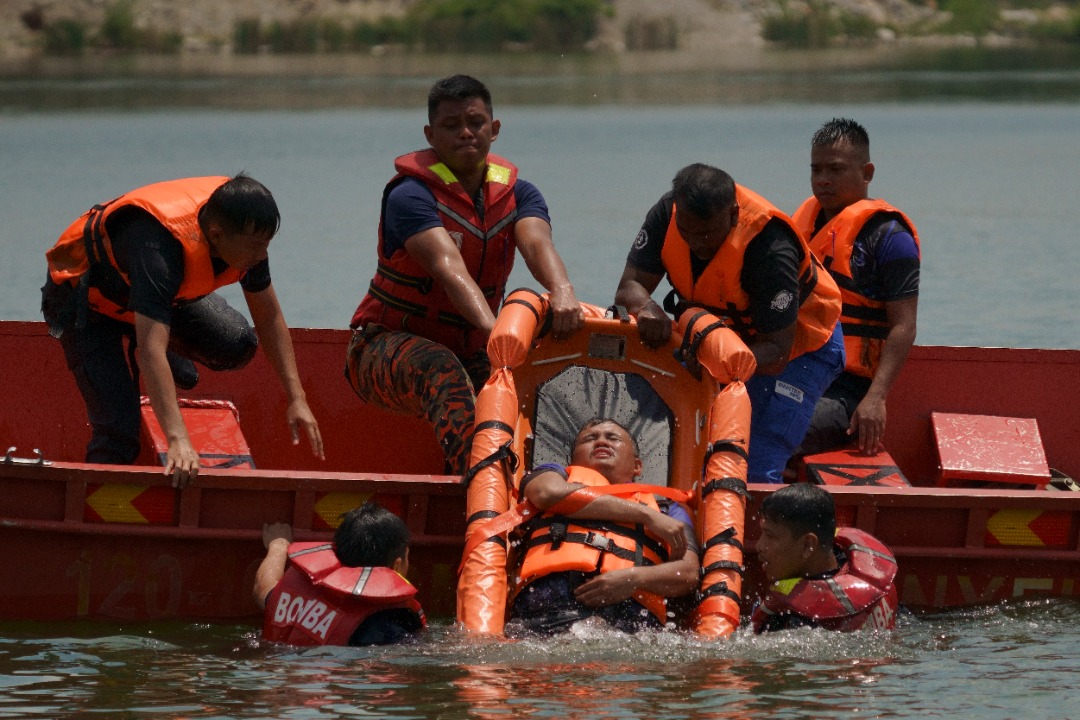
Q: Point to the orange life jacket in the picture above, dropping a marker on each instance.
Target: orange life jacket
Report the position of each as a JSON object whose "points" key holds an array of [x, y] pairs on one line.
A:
{"points": [[864, 321], [554, 543], [720, 291], [403, 296], [318, 601], [86, 243], [861, 594]]}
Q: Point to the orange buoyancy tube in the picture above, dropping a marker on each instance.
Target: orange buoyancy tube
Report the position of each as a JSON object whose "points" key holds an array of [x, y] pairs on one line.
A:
{"points": [[175, 204], [493, 471], [721, 508], [482, 586]]}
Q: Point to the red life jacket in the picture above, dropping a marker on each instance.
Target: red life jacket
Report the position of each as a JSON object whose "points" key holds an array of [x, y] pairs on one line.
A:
{"points": [[864, 321], [403, 296], [318, 601], [592, 546], [175, 204], [862, 594], [719, 288]]}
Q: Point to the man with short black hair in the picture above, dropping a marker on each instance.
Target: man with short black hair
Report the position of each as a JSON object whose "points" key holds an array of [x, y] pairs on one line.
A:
{"points": [[820, 577], [729, 251], [350, 592], [144, 267], [451, 220], [872, 250], [617, 558]]}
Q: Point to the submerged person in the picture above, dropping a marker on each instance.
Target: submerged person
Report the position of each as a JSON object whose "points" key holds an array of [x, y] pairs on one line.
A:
{"points": [[729, 251], [451, 220], [820, 576], [599, 555], [349, 592], [144, 267], [872, 251]]}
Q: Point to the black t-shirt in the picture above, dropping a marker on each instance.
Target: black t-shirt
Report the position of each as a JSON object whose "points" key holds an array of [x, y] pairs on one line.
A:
{"points": [[770, 273], [154, 262]]}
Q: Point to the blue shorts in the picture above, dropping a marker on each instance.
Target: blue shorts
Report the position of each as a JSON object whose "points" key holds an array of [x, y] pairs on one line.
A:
{"points": [[781, 407]]}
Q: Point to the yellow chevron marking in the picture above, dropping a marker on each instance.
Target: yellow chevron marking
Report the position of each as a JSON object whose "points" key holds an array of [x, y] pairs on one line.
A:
{"points": [[113, 503], [333, 505], [1012, 527]]}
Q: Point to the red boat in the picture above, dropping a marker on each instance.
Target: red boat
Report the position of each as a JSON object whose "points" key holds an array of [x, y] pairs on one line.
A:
{"points": [[983, 435]]}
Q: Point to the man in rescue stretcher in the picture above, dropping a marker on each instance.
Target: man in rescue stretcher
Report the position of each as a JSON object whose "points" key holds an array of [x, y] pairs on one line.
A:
{"points": [[614, 558], [821, 576]]}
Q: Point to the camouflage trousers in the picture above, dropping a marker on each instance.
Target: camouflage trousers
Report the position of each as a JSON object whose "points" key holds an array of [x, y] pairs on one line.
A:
{"points": [[411, 375]]}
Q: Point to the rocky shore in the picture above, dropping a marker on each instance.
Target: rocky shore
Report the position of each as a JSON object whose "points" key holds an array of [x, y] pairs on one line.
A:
{"points": [[203, 33]]}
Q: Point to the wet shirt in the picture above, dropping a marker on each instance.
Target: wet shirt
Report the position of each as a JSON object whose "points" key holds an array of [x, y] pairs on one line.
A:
{"points": [[411, 209], [154, 262], [770, 265], [884, 259]]}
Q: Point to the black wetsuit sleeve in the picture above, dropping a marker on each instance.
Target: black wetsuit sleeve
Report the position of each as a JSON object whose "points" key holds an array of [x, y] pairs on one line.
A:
{"points": [[152, 258]]}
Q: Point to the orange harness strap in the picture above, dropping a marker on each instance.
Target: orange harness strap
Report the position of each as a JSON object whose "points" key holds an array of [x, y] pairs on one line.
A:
{"points": [[570, 504]]}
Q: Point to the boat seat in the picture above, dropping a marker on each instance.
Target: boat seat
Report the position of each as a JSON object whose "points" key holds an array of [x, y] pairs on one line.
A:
{"points": [[214, 429], [989, 449], [849, 466]]}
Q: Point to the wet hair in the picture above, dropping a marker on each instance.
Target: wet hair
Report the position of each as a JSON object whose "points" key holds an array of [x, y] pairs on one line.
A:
{"points": [[456, 87], [594, 421], [242, 205], [840, 130], [370, 536], [703, 190], [802, 508]]}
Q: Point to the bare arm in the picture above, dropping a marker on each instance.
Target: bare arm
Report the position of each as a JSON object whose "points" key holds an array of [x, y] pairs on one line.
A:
{"points": [[276, 539], [533, 238], [548, 488], [152, 338], [635, 294], [869, 417], [437, 254], [674, 578], [277, 344]]}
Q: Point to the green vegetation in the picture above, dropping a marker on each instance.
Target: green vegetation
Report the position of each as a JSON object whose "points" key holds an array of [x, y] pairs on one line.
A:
{"points": [[560, 26], [437, 26], [975, 17], [117, 32], [65, 37], [814, 24]]}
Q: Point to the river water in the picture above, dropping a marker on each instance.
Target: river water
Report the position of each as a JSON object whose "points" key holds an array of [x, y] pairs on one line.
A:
{"points": [[990, 182]]}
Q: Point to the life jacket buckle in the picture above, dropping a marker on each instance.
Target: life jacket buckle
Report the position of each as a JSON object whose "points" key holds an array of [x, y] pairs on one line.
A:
{"points": [[601, 542]]}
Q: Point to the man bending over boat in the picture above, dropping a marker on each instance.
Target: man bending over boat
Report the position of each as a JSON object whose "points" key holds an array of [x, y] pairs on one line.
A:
{"points": [[729, 251], [145, 267], [349, 592], [451, 220], [821, 577], [614, 558], [872, 251]]}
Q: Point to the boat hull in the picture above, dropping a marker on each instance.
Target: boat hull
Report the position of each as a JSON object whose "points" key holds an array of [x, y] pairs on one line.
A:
{"points": [[100, 542]]}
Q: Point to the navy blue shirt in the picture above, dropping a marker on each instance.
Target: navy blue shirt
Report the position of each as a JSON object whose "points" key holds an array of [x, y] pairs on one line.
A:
{"points": [[884, 258], [410, 209]]}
